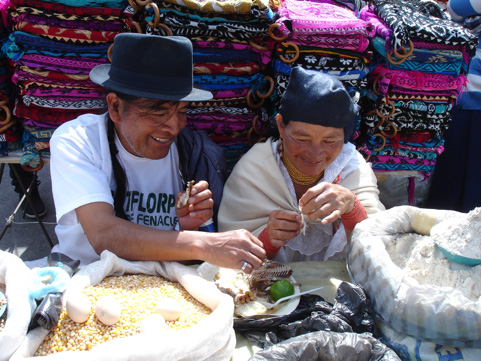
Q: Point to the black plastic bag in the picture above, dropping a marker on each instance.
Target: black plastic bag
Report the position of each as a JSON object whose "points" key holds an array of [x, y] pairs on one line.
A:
{"points": [[47, 313], [328, 346], [350, 313]]}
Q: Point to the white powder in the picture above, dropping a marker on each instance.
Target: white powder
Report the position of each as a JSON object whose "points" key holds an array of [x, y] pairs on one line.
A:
{"points": [[420, 258], [460, 235]]}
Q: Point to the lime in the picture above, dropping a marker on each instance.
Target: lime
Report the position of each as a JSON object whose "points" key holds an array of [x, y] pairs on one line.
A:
{"points": [[280, 289]]}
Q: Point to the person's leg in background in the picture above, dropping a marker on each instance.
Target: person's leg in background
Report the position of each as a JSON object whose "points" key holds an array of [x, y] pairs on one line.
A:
{"points": [[35, 201], [456, 181]]}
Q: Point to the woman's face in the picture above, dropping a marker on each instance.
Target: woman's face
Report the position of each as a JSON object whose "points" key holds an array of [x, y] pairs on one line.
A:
{"points": [[310, 147], [146, 132]]}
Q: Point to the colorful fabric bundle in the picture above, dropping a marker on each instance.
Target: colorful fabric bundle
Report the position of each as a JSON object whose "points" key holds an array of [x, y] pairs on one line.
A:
{"points": [[420, 20], [421, 60], [325, 36], [231, 49], [52, 47]]}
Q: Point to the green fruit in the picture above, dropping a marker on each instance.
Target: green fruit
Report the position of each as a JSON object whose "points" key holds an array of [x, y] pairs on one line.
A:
{"points": [[280, 289]]}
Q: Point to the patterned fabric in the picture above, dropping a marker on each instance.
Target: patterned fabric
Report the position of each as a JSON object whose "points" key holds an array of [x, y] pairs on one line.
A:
{"points": [[307, 18], [223, 31], [421, 20], [255, 15], [468, 13], [58, 91], [443, 61], [90, 3], [416, 81], [63, 65], [80, 24], [63, 102], [219, 6], [61, 7], [358, 43], [386, 163], [65, 34], [223, 55], [25, 75], [234, 69], [225, 82]]}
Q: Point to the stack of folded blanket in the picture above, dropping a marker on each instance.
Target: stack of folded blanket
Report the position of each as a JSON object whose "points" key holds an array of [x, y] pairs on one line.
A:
{"points": [[322, 35], [421, 60], [52, 47], [230, 52]]}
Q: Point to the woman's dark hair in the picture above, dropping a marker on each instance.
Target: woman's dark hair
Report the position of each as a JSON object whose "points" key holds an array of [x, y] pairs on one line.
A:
{"points": [[120, 176]]}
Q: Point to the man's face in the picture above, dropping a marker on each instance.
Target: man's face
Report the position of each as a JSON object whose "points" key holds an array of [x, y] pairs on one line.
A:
{"points": [[144, 131]]}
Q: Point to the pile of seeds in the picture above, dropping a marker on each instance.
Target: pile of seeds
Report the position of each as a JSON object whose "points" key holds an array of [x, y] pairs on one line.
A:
{"points": [[138, 296]]}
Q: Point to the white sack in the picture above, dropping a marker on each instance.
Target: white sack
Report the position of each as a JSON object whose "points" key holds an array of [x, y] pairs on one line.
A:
{"points": [[441, 315], [15, 275], [211, 339]]}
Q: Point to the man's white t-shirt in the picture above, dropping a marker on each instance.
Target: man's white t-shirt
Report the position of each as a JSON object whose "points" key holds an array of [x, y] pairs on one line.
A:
{"points": [[81, 172]]}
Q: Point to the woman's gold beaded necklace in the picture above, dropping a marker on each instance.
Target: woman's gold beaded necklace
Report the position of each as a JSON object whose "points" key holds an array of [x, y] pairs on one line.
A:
{"points": [[298, 177]]}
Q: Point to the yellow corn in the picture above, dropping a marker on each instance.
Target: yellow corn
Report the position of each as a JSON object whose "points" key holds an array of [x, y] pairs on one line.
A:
{"points": [[138, 296]]}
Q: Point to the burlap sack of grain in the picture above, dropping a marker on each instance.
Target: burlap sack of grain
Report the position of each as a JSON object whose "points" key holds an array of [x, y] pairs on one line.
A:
{"points": [[212, 338], [15, 276], [440, 315]]}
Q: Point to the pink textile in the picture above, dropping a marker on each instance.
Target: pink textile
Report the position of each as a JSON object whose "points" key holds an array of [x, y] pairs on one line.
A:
{"points": [[416, 80], [310, 18]]}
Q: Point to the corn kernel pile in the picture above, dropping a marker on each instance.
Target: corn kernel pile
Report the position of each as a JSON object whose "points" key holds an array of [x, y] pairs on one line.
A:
{"points": [[138, 296]]}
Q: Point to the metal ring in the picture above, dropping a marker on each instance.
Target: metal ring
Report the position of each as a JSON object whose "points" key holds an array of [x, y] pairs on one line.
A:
{"points": [[166, 28], [8, 115], [30, 169], [270, 90], [274, 37], [243, 267], [297, 51], [157, 15], [250, 103]]}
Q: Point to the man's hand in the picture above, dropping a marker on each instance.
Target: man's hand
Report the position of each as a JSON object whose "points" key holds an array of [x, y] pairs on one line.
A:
{"points": [[199, 207], [232, 248]]}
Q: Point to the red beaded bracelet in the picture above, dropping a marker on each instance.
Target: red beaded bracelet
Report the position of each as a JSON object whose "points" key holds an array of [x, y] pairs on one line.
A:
{"points": [[358, 214]]}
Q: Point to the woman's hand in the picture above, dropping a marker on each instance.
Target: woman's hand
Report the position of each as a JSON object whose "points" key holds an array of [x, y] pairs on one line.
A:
{"points": [[199, 207], [282, 226], [327, 201]]}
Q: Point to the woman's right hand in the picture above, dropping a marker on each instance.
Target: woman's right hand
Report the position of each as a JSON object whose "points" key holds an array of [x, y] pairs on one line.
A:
{"points": [[283, 225]]}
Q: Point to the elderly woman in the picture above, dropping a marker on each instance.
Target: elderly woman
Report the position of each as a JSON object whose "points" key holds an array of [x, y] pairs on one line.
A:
{"points": [[303, 194]]}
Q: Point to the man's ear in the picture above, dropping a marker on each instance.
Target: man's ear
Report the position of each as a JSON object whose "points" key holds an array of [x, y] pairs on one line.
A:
{"points": [[114, 104]]}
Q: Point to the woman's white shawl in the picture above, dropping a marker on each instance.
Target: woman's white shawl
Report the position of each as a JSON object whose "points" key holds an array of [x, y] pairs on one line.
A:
{"points": [[256, 187]]}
